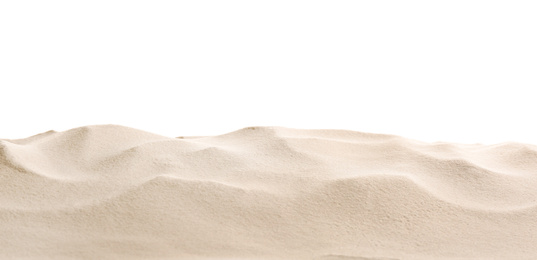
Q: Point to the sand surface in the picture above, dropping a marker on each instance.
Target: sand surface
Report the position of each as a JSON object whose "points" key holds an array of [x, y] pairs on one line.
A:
{"points": [[112, 192]]}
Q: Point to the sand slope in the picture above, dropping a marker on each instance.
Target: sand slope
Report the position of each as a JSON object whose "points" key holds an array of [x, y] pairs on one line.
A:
{"points": [[112, 192]]}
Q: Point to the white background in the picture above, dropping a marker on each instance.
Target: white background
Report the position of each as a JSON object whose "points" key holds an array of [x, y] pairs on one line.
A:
{"points": [[458, 71]]}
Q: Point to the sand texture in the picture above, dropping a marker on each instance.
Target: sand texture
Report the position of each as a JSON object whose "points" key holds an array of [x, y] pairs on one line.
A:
{"points": [[112, 192]]}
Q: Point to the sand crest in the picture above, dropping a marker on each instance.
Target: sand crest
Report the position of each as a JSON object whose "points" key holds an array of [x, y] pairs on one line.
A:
{"points": [[112, 192]]}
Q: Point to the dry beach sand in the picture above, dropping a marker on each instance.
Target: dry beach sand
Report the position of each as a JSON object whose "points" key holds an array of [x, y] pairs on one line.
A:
{"points": [[112, 192]]}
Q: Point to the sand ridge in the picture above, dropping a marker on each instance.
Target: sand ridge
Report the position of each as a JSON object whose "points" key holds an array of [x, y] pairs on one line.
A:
{"points": [[113, 192]]}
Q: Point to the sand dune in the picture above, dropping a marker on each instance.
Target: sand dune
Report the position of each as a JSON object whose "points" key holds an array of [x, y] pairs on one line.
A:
{"points": [[112, 192]]}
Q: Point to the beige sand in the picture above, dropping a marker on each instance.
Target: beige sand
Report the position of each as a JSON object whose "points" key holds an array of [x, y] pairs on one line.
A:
{"points": [[111, 192]]}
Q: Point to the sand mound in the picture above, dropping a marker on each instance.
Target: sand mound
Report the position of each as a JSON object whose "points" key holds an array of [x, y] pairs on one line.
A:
{"points": [[112, 192]]}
